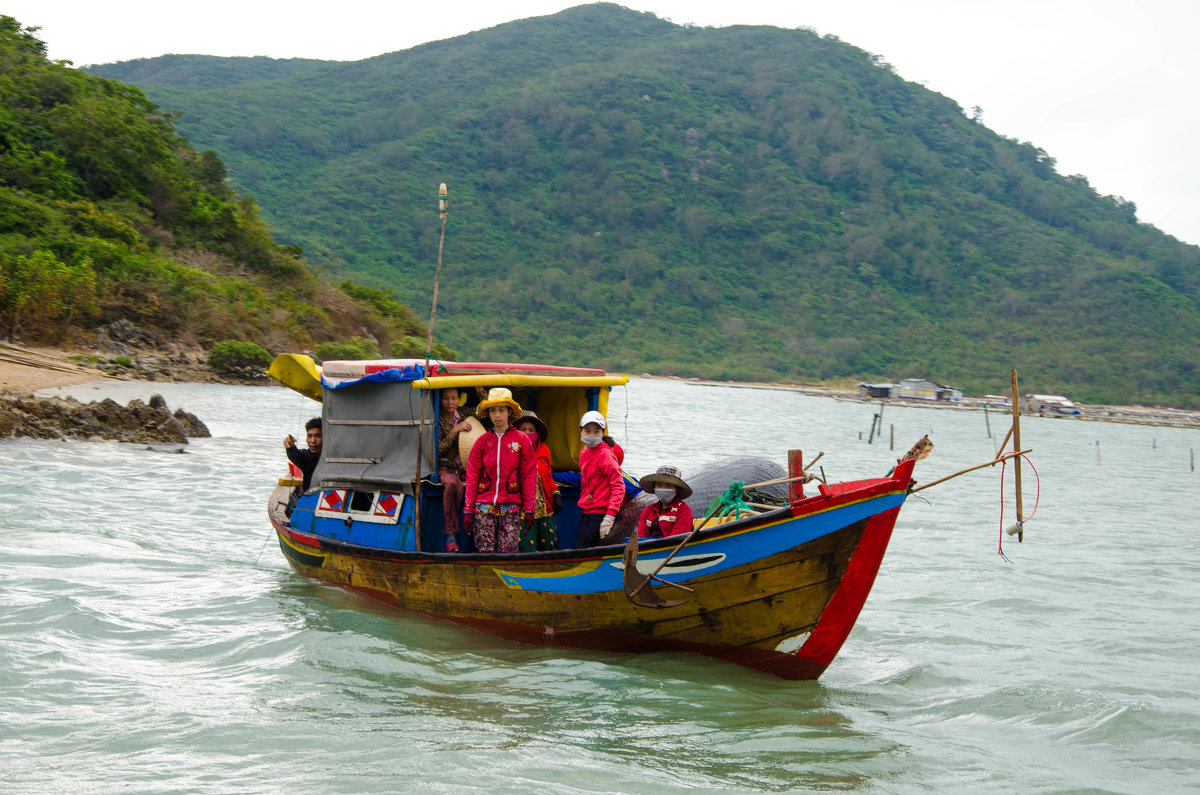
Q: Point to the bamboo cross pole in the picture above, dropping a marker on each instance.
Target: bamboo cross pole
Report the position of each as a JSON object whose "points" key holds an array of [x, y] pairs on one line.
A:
{"points": [[992, 463]]}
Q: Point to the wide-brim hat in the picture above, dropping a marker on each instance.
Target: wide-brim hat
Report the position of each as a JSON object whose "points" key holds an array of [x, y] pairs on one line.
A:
{"points": [[542, 430], [667, 476], [467, 439], [499, 396]]}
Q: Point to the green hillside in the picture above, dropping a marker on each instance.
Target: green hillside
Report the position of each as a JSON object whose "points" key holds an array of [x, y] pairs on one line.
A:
{"points": [[106, 213], [744, 202]]}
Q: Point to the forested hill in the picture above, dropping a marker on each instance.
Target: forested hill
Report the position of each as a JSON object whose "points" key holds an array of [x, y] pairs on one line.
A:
{"points": [[107, 214], [743, 202]]}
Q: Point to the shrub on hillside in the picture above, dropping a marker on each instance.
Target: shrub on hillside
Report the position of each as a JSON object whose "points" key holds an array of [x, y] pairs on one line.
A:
{"points": [[351, 349], [234, 357]]}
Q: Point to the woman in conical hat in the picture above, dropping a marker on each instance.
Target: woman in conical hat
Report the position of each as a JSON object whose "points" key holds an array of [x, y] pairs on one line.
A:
{"points": [[501, 477], [668, 515]]}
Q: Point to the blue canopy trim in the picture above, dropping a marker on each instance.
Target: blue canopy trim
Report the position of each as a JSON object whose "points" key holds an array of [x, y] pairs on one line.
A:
{"points": [[391, 375]]}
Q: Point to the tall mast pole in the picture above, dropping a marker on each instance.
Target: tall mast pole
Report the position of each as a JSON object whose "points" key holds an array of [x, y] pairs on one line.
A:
{"points": [[437, 276]]}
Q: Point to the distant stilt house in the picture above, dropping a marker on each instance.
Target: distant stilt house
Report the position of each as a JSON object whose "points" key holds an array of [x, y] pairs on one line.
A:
{"points": [[1048, 404], [923, 389], [869, 391]]}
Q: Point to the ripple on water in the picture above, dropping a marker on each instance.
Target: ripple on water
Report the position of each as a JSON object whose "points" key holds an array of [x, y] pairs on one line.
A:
{"points": [[152, 638]]}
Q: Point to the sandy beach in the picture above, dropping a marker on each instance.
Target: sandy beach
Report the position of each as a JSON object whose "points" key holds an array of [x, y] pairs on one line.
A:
{"points": [[29, 369]]}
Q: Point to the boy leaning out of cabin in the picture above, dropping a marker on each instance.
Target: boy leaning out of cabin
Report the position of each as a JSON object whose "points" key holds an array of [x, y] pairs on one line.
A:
{"points": [[501, 477], [601, 488], [668, 515], [305, 460]]}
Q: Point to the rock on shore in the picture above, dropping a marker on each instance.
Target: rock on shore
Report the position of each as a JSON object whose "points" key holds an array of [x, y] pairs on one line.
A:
{"points": [[23, 414]]}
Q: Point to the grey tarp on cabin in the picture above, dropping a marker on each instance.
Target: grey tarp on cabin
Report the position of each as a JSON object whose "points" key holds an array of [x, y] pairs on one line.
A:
{"points": [[369, 435]]}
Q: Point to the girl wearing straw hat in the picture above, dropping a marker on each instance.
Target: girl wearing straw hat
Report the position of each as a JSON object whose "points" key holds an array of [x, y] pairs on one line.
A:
{"points": [[501, 477], [668, 515]]}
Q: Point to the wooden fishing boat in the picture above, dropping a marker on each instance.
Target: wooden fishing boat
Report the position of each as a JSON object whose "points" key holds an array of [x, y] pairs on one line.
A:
{"points": [[777, 590]]}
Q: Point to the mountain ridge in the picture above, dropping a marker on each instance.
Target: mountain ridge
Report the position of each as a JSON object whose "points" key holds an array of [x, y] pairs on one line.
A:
{"points": [[743, 202]]}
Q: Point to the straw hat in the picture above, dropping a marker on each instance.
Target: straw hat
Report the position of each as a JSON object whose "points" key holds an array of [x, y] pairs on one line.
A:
{"points": [[466, 439], [542, 430], [667, 476], [499, 396]]}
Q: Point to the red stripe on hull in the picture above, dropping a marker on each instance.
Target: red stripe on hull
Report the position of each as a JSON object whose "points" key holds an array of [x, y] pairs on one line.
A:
{"points": [[840, 615]]}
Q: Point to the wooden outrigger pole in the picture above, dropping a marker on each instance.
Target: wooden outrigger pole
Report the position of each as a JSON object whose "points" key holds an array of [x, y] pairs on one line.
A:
{"points": [[437, 276]]}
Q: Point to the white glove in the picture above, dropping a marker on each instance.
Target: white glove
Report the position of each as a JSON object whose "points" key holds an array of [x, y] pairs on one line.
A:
{"points": [[606, 526]]}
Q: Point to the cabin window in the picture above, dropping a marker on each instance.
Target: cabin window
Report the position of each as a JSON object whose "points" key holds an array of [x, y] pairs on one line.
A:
{"points": [[362, 501]]}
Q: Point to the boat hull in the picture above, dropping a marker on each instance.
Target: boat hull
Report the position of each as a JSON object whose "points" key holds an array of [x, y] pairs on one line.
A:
{"points": [[778, 592]]}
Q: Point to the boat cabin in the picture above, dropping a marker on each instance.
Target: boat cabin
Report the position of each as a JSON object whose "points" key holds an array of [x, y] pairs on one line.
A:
{"points": [[380, 421]]}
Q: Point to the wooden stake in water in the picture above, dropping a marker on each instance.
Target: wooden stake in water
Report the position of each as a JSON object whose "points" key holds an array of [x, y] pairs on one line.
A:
{"points": [[1016, 437], [892, 442], [986, 420], [881, 418], [871, 435]]}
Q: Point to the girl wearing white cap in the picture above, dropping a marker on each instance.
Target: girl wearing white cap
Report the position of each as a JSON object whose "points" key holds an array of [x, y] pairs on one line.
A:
{"points": [[601, 489]]}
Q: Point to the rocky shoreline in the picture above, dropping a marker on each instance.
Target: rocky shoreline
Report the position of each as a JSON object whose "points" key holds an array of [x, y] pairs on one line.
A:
{"points": [[57, 418], [28, 415]]}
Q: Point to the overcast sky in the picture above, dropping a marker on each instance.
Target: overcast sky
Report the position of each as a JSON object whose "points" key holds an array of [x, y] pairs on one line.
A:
{"points": [[1107, 87]]}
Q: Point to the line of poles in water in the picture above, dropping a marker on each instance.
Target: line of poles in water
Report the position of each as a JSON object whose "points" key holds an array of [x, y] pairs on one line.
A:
{"points": [[876, 432]]}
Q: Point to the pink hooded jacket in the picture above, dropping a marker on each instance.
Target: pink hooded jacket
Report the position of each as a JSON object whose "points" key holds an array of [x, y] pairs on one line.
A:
{"points": [[501, 471], [601, 489]]}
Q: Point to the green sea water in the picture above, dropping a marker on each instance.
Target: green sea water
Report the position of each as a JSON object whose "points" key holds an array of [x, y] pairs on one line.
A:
{"points": [[153, 639]]}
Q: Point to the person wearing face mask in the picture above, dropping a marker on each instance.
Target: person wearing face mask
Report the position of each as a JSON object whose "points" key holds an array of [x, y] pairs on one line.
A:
{"points": [[668, 515], [601, 489]]}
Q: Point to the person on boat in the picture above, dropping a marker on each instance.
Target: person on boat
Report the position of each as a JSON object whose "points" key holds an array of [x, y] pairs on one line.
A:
{"points": [[501, 477], [668, 515], [543, 535], [451, 473], [601, 489], [618, 451], [305, 460]]}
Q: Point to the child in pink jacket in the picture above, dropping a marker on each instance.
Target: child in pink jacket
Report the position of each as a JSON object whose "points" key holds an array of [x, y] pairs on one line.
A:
{"points": [[601, 489]]}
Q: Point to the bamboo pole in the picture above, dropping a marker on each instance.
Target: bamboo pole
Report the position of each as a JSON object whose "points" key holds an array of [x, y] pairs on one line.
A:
{"points": [[1015, 454], [1007, 436], [1016, 437]]}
